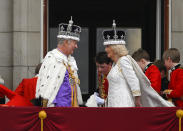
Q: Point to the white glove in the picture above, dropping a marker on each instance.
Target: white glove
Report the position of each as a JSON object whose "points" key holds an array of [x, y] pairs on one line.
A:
{"points": [[99, 100], [96, 93]]}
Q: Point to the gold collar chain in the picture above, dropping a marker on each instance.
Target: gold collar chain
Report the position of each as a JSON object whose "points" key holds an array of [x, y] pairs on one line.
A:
{"points": [[71, 74]]}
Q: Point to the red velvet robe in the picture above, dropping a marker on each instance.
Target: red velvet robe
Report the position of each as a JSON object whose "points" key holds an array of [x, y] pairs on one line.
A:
{"points": [[27, 88], [176, 84], [154, 75]]}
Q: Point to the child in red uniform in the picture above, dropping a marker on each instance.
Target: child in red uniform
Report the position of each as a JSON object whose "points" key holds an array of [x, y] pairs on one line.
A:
{"points": [[24, 92], [151, 71], [171, 59], [14, 98], [164, 80], [27, 88]]}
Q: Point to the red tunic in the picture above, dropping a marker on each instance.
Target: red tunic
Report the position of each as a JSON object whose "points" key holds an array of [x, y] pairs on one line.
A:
{"points": [[103, 86], [176, 84], [27, 88], [1, 95], [154, 75], [15, 99]]}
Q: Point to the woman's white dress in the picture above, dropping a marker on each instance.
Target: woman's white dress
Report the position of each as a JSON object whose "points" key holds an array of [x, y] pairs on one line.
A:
{"points": [[126, 80], [122, 83]]}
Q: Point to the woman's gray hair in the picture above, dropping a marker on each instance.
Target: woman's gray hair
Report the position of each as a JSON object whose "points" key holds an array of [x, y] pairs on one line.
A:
{"points": [[119, 50]]}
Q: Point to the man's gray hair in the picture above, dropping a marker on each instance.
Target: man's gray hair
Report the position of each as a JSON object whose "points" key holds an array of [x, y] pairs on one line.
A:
{"points": [[61, 40]]}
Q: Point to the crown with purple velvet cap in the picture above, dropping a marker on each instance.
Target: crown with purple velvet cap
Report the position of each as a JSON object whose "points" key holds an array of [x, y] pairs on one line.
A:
{"points": [[69, 31]]}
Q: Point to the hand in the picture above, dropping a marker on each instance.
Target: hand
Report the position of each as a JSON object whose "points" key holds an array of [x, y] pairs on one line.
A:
{"points": [[167, 91], [44, 102], [137, 101], [99, 100]]}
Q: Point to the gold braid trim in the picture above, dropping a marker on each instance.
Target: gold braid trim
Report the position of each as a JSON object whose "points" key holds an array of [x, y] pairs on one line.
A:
{"points": [[119, 68], [136, 93], [74, 102], [102, 88], [71, 74], [44, 102]]}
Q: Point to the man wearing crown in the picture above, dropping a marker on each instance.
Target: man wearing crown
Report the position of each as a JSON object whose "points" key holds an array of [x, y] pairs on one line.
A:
{"points": [[58, 83]]}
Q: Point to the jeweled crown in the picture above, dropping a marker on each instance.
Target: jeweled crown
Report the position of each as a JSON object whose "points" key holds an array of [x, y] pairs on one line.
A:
{"points": [[114, 36], [69, 31]]}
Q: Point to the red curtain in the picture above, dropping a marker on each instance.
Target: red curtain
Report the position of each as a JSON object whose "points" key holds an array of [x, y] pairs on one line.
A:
{"points": [[89, 119]]}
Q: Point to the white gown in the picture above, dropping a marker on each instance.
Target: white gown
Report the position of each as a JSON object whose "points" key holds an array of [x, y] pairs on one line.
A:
{"points": [[126, 80], [120, 92]]}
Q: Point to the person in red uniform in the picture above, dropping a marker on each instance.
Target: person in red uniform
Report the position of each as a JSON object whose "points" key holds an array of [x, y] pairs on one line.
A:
{"points": [[151, 71], [164, 79], [27, 87], [103, 64], [24, 93], [14, 98], [174, 92]]}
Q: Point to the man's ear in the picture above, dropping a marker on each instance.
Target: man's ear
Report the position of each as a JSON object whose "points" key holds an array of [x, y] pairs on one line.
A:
{"points": [[142, 61]]}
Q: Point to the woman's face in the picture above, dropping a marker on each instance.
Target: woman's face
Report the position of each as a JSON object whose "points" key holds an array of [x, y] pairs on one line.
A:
{"points": [[110, 53]]}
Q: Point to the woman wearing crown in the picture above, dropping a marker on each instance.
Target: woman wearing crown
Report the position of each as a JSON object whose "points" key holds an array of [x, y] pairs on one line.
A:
{"points": [[128, 86], [58, 83]]}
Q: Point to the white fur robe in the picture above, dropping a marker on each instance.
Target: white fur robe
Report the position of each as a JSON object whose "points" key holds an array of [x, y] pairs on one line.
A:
{"points": [[51, 76]]}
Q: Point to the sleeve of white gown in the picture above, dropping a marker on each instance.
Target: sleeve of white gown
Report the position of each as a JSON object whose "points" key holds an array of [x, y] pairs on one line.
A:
{"points": [[130, 76]]}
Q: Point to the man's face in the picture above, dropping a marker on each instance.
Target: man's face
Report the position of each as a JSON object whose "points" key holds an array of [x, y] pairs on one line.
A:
{"points": [[103, 68], [70, 46]]}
